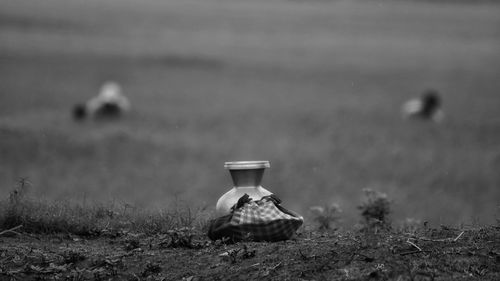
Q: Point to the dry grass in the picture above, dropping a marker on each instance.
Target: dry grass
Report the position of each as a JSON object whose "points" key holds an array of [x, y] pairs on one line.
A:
{"points": [[92, 220]]}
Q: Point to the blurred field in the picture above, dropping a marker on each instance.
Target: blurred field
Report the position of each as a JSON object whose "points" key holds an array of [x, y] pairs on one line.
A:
{"points": [[313, 86]]}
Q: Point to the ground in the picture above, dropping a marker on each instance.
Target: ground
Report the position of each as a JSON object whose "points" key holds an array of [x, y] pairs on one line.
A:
{"points": [[315, 87], [427, 254]]}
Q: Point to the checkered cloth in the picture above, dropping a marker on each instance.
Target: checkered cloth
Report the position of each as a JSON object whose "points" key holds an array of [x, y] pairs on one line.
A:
{"points": [[261, 220]]}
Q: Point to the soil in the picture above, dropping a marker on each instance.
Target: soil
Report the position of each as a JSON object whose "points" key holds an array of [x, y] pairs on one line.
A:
{"points": [[428, 254]]}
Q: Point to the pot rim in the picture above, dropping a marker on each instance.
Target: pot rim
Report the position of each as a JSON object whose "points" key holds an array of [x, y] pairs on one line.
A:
{"points": [[246, 165]]}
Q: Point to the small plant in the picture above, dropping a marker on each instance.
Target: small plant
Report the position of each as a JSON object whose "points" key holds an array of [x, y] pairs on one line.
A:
{"points": [[16, 204], [411, 225], [325, 216], [375, 208], [181, 238], [242, 253], [17, 195]]}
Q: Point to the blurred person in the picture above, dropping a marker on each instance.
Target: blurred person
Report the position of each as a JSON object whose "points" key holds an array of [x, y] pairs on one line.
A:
{"points": [[426, 107], [109, 103]]}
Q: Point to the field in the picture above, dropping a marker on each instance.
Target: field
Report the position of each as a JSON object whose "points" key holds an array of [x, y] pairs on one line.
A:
{"points": [[315, 87]]}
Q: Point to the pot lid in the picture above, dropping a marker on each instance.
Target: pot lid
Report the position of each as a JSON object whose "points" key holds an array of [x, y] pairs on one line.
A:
{"points": [[243, 165]]}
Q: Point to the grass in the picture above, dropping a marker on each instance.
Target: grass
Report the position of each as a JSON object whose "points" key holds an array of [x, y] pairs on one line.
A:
{"points": [[313, 87], [93, 220], [60, 217]]}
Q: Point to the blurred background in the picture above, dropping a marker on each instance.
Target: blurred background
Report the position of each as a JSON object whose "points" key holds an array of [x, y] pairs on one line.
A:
{"points": [[313, 86]]}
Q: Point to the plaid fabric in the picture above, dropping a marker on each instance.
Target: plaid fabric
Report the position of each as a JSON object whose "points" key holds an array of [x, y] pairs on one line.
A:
{"points": [[262, 220]]}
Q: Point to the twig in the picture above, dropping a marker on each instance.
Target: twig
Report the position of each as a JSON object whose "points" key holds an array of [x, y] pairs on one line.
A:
{"points": [[440, 240], [276, 266], [12, 230], [414, 245], [414, 252], [304, 257], [459, 235], [435, 240]]}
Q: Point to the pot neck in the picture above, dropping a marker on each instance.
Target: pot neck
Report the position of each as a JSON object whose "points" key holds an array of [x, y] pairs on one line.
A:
{"points": [[247, 177]]}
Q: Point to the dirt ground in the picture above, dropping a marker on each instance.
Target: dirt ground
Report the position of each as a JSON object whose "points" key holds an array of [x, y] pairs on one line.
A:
{"points": [[428, 254], [315, 87]]}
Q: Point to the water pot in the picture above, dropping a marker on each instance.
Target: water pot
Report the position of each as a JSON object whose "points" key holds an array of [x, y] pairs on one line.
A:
{"points": [[246, 176]]}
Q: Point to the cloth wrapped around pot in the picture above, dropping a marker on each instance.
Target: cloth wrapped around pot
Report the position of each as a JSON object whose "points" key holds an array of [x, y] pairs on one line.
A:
{"points": [[261, 220]]}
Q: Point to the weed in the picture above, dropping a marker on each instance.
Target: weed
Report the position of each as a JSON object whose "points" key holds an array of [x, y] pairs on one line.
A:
{"points": [[15, 204], [326, 216], [247, 254], [181, 238], [375, 209], [233, 255], [18, 193]]}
